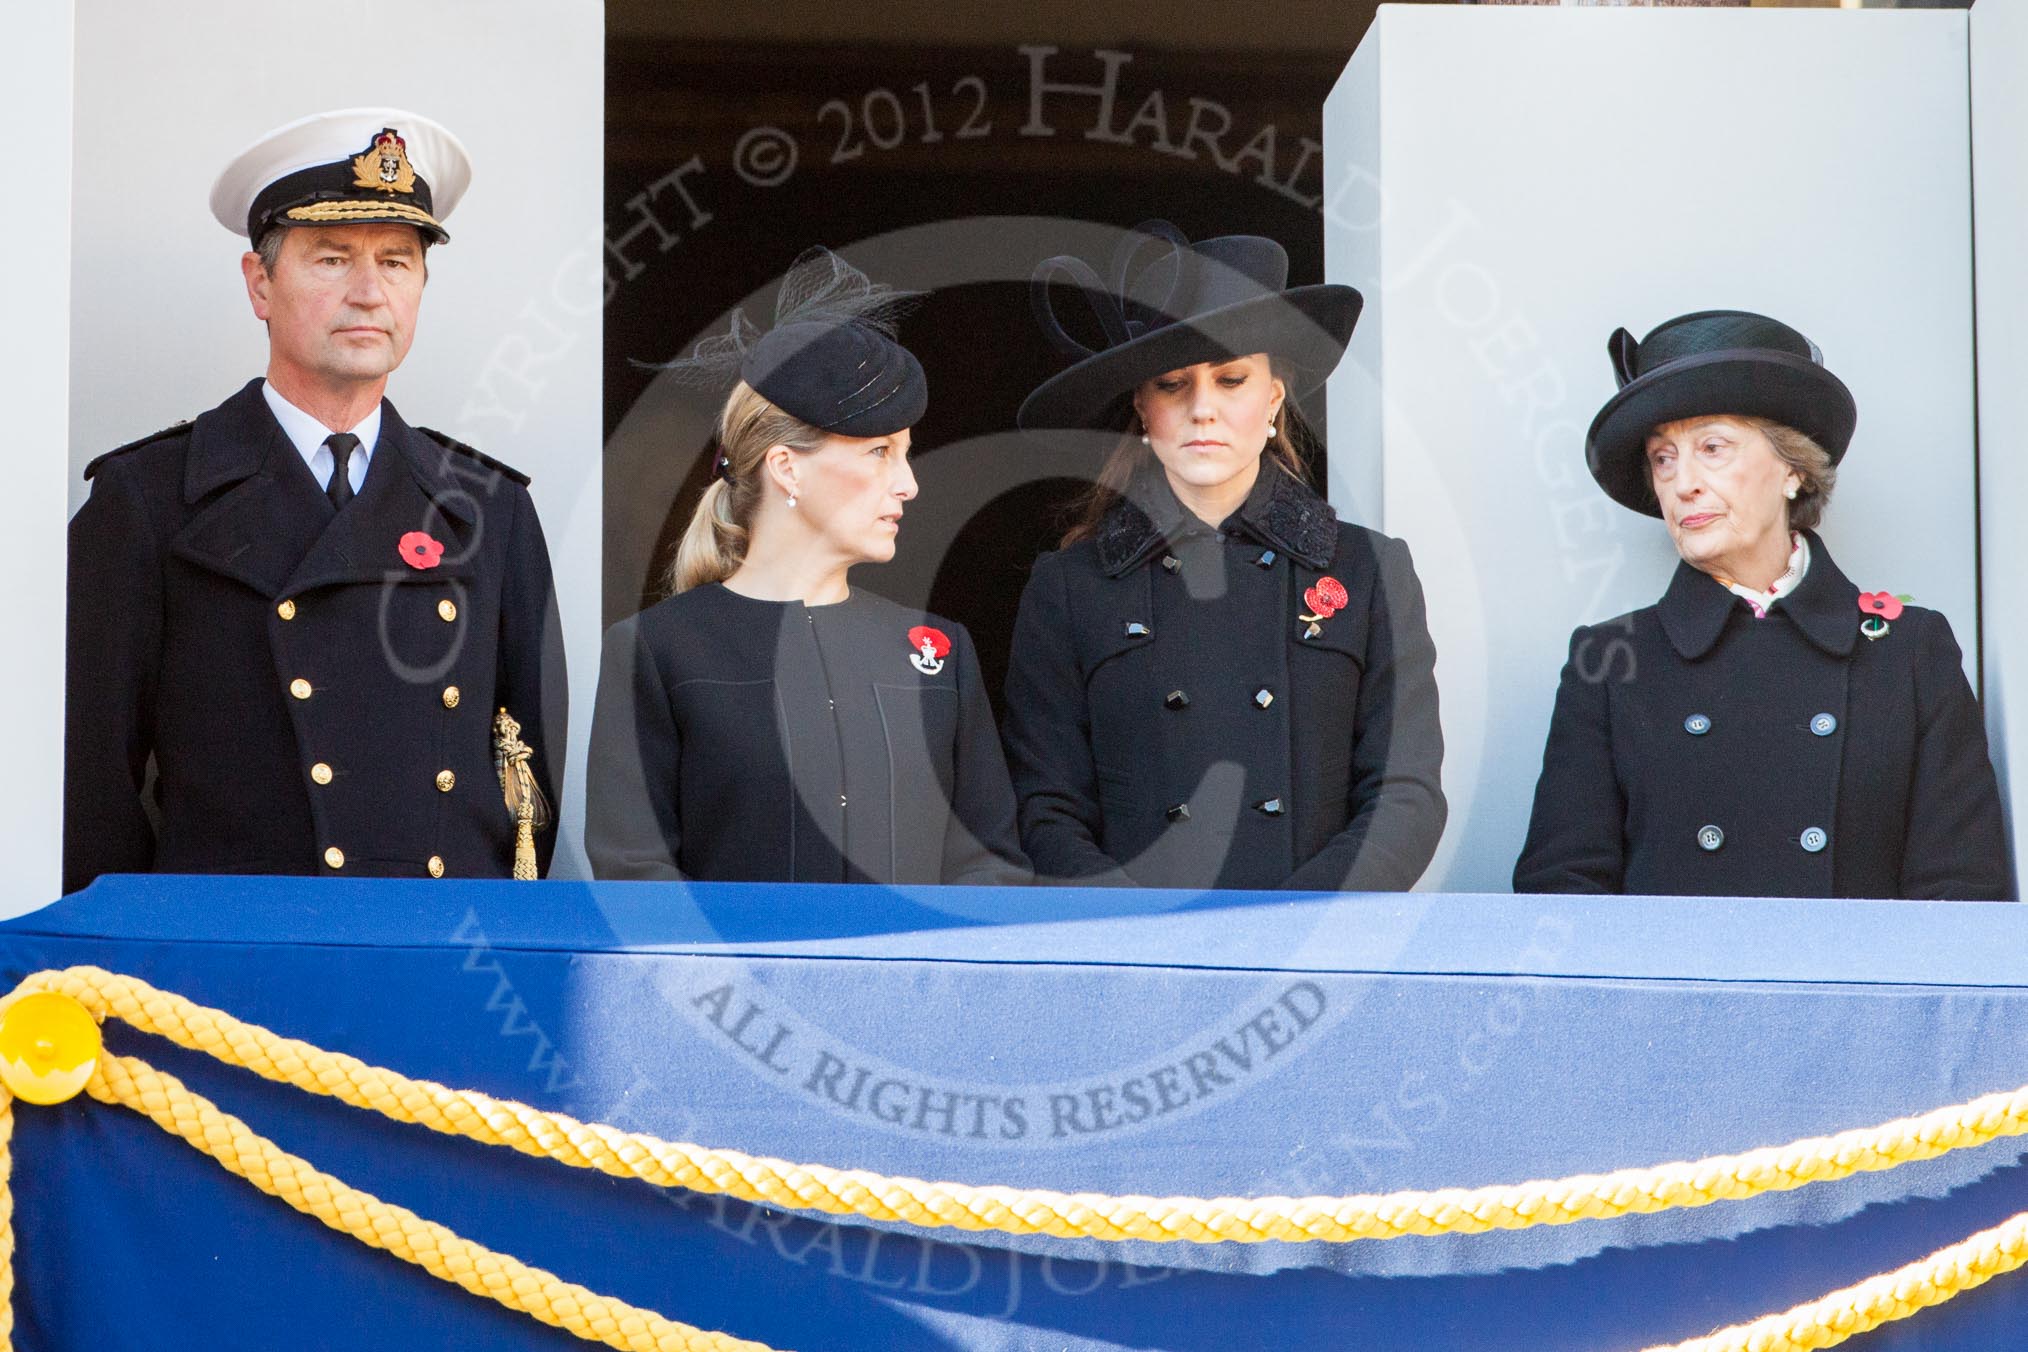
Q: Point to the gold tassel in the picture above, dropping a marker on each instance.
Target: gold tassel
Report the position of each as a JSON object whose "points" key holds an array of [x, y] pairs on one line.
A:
{"points": [[523, 796]]}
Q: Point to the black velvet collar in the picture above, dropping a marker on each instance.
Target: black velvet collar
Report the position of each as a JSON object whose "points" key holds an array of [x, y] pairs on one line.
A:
{"points": [[1825, 607], [1280, 511]]}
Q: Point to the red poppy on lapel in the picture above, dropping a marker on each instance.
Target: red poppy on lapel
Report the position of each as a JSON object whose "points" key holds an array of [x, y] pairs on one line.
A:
{"points": [[1884, 604], [418, 550], [931, 647], [1325, 599]]}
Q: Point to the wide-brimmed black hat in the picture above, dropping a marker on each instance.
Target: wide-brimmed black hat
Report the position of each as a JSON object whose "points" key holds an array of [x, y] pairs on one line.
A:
{"points": [[1707, 364], [1210, 301]]}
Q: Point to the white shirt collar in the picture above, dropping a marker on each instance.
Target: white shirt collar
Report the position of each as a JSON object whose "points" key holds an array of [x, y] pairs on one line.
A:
{"points": [[307, 435], [1791, 578]]}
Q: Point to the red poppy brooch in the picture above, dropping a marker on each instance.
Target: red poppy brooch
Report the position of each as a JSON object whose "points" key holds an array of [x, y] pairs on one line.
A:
{"points": [[931, 646], [1879, 608], [1325, 599], [418, 550]]}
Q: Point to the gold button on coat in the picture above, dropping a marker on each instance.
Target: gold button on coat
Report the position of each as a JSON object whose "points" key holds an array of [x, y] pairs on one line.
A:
{"points": [[321, 773], [446, 781], [287, 610], [448, 609], [300, 688], [450, 697], [335, 857], [436, 866]]}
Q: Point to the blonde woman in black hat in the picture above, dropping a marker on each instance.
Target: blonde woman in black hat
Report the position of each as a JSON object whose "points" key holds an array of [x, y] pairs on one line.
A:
{"points": [[1767, 728], [1215, 682], [770, 722]]}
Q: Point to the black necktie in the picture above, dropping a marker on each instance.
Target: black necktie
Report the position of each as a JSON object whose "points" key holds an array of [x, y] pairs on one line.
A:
{"points": [[339, 490]]}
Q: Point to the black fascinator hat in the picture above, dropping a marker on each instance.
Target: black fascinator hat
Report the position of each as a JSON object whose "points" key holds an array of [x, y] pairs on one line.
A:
{"points": [[1187, 303], [1707, 364], [830, 359]]}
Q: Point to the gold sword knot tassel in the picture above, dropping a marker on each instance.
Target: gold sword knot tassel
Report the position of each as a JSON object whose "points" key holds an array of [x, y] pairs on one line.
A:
{"points": [[523, 796]]}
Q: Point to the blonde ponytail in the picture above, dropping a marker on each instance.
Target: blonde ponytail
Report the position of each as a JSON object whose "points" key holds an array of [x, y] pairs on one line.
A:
{"points": [[715, 542]]}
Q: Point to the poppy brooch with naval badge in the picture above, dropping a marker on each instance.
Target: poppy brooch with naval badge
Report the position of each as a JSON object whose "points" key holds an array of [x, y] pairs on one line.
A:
{"points": [[931, 646], [1879, 608]]}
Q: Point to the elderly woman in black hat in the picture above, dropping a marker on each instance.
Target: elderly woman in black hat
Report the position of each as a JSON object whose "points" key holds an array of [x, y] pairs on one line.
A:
{"points": [[1767, 728], [1215, 682], [768, 721]]}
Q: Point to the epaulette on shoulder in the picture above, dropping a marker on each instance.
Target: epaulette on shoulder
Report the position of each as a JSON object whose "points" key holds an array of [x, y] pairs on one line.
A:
{"points": [[173, 429], [451, 443]]}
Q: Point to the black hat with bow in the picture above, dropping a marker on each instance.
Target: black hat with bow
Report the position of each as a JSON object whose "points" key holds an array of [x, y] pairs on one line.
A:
{"points": [[1187, 303], [1708, 364], [830, 359]]}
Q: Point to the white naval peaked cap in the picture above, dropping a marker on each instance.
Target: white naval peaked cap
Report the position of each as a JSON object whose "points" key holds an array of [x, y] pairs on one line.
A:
{"points": [[345, 167]]}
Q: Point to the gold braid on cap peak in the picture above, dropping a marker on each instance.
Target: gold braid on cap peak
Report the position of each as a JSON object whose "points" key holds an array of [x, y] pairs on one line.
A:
{"points": [[341, 212]]}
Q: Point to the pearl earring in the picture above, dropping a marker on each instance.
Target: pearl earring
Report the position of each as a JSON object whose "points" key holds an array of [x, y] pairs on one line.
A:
{"points": [[792, 499], [1145, 441], [1792, 494]]}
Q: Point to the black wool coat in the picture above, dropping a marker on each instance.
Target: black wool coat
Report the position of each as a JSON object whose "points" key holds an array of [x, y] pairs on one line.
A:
{"points": [[738, 740], [312, 703], [1696, 750], [1173, 719]]}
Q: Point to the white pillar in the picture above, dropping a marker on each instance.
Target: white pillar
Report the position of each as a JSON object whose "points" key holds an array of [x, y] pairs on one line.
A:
{"points": [[1999, 31], [35, 93]]}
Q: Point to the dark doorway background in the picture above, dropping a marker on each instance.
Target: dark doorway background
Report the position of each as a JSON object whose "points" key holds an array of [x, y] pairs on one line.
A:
{"points": [[686, 83]]}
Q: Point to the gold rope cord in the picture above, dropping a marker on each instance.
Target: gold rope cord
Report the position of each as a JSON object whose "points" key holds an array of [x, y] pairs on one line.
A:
{"points": [[164, 1100], [132, 1083], [1031, 1211], [1866, 1306]]}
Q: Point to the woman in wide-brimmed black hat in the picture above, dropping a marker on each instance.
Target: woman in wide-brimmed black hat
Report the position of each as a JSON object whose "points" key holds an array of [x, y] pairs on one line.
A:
{"points": [[769, 722], [1767, 728], [1215, 682]]}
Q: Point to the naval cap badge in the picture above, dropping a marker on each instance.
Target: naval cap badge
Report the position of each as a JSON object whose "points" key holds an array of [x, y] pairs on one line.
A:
{"points": [[384, 165], [931, 646]]}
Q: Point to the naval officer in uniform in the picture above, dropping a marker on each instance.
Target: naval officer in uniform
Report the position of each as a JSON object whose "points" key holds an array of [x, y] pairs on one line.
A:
{"points": [[302, 612]]}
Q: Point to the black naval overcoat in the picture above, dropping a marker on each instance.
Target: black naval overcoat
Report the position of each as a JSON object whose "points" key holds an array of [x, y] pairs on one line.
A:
{"points": [[740, 740], [313, 704], [1174, 720], [1696, 750]]}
